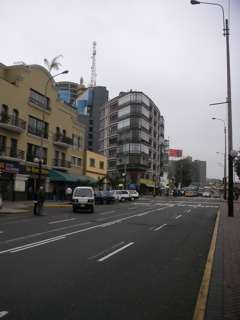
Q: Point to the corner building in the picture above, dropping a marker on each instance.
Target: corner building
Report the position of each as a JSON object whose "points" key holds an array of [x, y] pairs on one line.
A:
{"points": [[31, 114], [132, 138]]}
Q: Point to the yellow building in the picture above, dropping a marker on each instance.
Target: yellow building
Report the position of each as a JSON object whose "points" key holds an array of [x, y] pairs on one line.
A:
{"points": [[35, 123], [95, 165]]}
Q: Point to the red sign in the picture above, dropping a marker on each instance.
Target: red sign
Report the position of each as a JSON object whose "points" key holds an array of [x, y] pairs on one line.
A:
{"points": [[175, 153]]}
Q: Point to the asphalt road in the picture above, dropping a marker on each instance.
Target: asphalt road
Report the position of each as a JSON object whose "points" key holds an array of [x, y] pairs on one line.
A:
{"points": [[135, 260]]}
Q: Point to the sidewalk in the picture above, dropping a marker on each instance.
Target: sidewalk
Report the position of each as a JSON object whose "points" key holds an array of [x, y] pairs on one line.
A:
{"points": [[223, 296], [224, 293], [14, 207]]}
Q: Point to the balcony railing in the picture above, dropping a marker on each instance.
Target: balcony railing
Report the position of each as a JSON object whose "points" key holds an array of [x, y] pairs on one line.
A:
{"points": [[62, 138], [62, 141], [12, 123], [37, 132], [8, 152], [31, 157], [61, 163], [39, 104]]}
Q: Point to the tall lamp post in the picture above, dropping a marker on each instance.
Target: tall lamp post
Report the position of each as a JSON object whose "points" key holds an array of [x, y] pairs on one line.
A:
{"points": [[40, 160], [225, 155], [229, 102]]}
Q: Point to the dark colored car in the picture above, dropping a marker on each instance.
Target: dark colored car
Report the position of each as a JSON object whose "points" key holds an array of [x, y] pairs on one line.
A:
{"points": [[103, 197]]}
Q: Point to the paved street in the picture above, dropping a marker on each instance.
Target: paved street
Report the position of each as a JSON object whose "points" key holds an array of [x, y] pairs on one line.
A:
{"points": [[135, 260]]}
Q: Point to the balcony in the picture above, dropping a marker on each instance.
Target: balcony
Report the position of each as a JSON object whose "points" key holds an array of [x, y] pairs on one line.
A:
{"points": [[59, 164], [31, 157], [37, 132], [39, 104], [62, 141], [11, 154], [12, 123]]}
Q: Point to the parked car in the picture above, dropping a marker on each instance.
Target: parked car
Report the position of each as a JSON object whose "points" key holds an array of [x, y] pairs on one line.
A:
{"points": [[103, 197], [117, 194], [134, 194], [216, 194], [122, 195], [189, 192], [83, 199], [207, 192]]}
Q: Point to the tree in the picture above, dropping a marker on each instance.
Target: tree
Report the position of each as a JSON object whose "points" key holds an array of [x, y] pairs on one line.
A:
{"points": [[237, 166], [183, 172], [100, 182], [54, 64]]}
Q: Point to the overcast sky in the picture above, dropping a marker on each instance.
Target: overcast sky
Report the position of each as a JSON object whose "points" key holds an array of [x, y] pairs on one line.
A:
{"points": [[172, 51]]}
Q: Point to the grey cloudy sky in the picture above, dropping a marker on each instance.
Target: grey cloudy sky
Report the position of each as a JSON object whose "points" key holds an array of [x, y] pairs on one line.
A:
{"points": [[172, 51]]}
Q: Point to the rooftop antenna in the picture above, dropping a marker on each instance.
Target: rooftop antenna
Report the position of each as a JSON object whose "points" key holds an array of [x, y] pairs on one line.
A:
{"points": [[93, 68]]}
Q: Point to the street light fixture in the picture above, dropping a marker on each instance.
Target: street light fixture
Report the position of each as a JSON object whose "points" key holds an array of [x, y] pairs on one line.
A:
{"points": [[125, 180], [40, 160], [229, 102], [225, 156]]}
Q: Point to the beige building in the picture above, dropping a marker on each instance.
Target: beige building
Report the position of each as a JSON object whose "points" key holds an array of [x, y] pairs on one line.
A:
{"points": [[95, 165], [36, 124]]}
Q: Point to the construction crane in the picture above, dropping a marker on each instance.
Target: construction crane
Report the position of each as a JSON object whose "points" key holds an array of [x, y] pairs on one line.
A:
{"points": [[93, 73]]}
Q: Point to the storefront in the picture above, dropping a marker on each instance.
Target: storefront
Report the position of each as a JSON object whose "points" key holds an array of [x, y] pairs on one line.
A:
{"points": [[12, 181]]}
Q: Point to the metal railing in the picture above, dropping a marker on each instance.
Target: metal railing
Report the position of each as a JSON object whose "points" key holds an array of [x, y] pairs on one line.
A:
{"points": [[12, 120], [12, 153], [61, 163]]}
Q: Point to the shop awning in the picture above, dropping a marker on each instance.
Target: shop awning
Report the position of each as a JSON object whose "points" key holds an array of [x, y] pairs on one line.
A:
{"points": [[56, 175], [148, 185]]}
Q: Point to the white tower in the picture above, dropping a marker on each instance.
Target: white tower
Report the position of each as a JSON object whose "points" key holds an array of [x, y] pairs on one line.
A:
{"points": [[93, 73]]}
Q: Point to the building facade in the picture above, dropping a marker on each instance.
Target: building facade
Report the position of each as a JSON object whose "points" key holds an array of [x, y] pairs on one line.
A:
{"points": [[35, 124], [132, 138], [88, 105]]}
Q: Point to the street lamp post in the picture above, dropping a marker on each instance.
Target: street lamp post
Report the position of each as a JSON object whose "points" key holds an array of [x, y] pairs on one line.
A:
{"points": [[225, 155], [40, 160], [229, 102], [231, 157]]}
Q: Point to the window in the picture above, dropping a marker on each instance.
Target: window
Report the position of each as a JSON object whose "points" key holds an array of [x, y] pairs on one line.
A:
{"points": [[33, 151], [36, 126], [112, 141], [38, 99], [80, 142], [76, 161], [92, 162], [101, 165]]}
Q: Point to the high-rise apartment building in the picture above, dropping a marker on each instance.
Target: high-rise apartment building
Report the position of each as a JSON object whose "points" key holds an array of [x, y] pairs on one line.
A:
{"points": [[88, 105], [132, 138]]}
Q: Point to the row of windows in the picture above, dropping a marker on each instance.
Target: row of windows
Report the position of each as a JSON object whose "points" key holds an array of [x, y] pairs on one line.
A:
{"points": [[92, 163], [136, 135], [136, 110], [133, 122], [132, 148], [133, 97]]}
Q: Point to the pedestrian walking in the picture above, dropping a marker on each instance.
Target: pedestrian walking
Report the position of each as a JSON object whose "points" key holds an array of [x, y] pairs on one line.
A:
{"points": [[40, 201], [55, 194], [236, 195], [35, 203]]}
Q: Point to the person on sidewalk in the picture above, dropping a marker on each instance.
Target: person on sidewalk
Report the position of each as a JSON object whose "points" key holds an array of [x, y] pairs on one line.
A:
{"points": [[40, 201], [35, 203]]}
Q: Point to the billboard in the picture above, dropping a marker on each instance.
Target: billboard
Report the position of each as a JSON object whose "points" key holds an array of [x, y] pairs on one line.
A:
{"points": [[175, 153]]}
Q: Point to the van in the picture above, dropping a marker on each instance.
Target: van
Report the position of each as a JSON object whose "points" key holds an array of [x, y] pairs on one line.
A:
{"points": [[83, 199]]}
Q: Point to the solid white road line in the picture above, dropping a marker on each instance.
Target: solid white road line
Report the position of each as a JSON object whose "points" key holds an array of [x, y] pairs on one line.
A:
{"points": [[62, 221], [178, 216], [111, 254], [160, 227]]}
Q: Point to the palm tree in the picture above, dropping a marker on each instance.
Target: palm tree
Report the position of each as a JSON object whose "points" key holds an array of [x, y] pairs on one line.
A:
{"points": [[54, 64]]}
